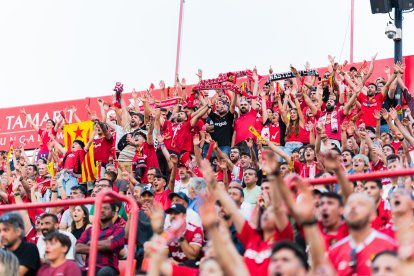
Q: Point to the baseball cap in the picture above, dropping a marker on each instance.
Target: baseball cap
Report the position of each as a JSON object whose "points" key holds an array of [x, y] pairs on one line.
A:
{"points": [[178, 208], [180, 195], [158, 175], [147, 189]]}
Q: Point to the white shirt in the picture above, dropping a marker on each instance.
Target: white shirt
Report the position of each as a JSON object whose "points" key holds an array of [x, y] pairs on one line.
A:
{"points": [[191, 217], [41, 246]]}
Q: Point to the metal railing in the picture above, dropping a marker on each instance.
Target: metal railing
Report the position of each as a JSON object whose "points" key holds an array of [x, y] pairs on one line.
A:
{"points": [[102, 197]]}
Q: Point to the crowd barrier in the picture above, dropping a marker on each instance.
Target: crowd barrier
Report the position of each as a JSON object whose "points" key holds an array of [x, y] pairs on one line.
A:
{"points": [[105, 196]]}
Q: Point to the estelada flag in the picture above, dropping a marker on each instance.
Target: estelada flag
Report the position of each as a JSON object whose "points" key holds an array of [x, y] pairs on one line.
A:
{"points": [[82, 131]]}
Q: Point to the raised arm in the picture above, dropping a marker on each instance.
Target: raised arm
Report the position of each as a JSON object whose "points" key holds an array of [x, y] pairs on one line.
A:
{"points": [[332, 163], [29, 120]]}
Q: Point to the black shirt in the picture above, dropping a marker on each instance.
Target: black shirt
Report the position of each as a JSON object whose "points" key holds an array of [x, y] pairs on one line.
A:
{"points": [[28, 256], [223, 128]]}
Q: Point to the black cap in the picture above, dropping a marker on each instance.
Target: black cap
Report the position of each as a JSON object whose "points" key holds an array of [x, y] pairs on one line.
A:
{"points": [[147, 189], [178, 208], [180, 195], [158, 175]]}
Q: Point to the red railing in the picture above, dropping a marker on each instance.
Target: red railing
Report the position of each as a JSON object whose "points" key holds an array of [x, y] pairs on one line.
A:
{"points": [[104, 196], [363, 176]]}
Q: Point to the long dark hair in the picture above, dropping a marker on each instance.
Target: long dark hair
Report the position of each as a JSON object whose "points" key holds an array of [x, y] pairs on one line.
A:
{"points": [[293, 125], [85, 219]]}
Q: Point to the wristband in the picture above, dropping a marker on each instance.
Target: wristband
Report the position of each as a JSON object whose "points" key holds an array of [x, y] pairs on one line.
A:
{"points": [[17, 194], [310, 222], [181, 239], [53, 191], [161, 145]]}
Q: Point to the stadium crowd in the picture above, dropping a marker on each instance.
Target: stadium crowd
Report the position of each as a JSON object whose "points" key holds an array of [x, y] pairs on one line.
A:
{"points": [[221, 180]]}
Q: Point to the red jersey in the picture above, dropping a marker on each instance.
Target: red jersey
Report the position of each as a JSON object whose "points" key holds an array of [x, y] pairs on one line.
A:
{"points": [[258, 251], [45, 137], [73, 160], [163, 198], [383, 216], [146, 156], [368, 106], [303, 136], [242, 124], [305, 170], [179, 132], [102, 149], [333, 238], [332, 122], [188, 143], [193, 235], [271, 132], [179, 270], [342, 254], [396, 145]]}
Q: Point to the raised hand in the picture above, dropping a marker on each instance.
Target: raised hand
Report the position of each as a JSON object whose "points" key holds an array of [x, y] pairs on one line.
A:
{"points": [[332, 161], [377, 115], [200, 74], [196, 140], [393, 113], [270, 70], [374, 56], [387, 70], [174, 159], [208, 174], [157, 217], [331, 59], [208, 212], [162, 84], [384, 113]]}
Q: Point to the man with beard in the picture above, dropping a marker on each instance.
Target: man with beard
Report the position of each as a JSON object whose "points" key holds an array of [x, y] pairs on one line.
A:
{"points": [[181, 128], [333, 117], [127, 144], [352, 254], [223, 124], [247, 118], [182, 184], [110, 242], [49, 223], [372, 102], [11, 238]]}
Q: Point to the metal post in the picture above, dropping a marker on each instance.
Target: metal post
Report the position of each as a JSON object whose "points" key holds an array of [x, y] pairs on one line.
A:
{"points": [[180, 21], [351, 48], [398, 48]]}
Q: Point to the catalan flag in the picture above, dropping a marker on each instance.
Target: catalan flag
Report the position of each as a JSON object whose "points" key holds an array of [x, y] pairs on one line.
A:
{"points": [[82, 131]]}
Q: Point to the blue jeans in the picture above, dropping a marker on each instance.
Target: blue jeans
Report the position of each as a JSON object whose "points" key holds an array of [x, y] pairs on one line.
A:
{"points": [[290, 146]]}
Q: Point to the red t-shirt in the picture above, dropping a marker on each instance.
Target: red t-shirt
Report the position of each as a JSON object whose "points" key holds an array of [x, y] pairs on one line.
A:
{"points": [[341, 253], [396, 145], [102, 149], [147, 154], [302, 137], [71, 162], [45, 137], [179, 270], [305, 170], [326, 119], [368, 106], [258, 251], [383, 216], [242, 124], [179, 132], [193, 235], [333, 238], [69, 267], [188, 143], [272, 132], [163, 199]]}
